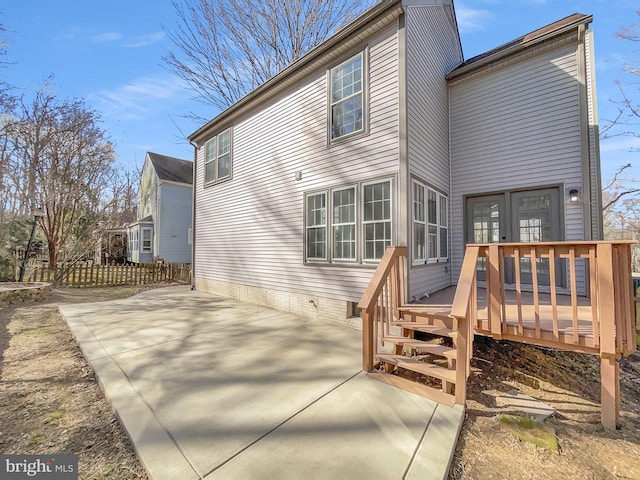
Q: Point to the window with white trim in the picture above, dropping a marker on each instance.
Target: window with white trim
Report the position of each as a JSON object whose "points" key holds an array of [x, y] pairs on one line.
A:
{"points": [[346, 97], [146, 240], [316, 231], [217, 157], [376, 219], [430, 225], [360, 223], [344, 224]]}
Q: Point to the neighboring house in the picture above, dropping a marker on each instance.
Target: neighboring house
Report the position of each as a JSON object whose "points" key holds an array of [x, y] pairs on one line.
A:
{"points": [[165, 201], [385, 135]]}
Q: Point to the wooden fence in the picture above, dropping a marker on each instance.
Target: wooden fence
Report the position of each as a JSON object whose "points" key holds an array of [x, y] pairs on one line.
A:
{"points": [[90, 274]]}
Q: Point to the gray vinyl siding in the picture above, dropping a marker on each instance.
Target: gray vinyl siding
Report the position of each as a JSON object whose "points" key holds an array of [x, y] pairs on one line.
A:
{"points": [[432, 51], [517, 127], [171, 242], [249, 230]]}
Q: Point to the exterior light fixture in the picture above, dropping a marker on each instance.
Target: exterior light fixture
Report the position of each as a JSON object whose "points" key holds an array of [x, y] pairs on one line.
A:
{"points": [[574, 195], [37, 214]]}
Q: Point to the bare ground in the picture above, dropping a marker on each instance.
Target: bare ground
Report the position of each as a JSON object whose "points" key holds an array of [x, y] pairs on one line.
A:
{"points": [[50, 402]]}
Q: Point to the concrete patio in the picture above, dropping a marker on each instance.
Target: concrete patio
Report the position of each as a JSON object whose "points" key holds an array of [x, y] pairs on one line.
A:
{"points": [[213, 388]]}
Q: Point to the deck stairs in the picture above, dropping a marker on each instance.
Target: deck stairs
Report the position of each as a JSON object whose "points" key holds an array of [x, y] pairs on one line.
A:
{"points": [[421, 346]]}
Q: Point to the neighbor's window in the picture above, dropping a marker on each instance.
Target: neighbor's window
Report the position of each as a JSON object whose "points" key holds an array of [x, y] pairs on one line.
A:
{"points": [[347, 100], [430, 225], [217, 157], [358, 227], [146, 239]]}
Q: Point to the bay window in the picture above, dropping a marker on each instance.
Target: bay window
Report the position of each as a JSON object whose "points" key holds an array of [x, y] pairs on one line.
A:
{"points": [[430, 225]]}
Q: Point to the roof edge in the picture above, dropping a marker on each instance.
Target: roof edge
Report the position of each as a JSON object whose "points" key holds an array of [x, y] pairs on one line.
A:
{"points": [[361, 21], [520, 44]]}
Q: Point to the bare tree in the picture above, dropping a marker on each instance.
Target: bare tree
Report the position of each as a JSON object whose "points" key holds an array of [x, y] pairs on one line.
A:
{"points": [[226, 48], [61, 161]]}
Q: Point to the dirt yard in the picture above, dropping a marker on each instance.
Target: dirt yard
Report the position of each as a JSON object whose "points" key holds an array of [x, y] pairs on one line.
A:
{"points": [[50, 402]]}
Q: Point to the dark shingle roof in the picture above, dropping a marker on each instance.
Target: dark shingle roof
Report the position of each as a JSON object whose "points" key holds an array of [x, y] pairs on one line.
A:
{"points": [[561, 26], [172, 169]]}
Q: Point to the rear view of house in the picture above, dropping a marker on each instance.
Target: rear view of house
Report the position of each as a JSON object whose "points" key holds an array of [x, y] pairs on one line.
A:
{"points": [[384, 135], [165, 200]]}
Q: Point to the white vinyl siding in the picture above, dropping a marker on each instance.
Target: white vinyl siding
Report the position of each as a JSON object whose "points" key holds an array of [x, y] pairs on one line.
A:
{"points": [[428, 122], [251, 231], [516, 127]]}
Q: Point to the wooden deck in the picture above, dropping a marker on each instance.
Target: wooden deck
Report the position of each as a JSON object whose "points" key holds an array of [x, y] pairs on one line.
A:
{"points": [[442, 302], [578, 298]]}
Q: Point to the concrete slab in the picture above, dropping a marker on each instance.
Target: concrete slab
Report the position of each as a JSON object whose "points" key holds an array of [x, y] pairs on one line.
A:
{"points": [[209, 387]]}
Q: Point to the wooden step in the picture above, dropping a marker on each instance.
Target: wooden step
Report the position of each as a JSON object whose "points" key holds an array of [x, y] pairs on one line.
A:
{"points": [[419, 345], [443, 312], [422, 327], [414, 365], [414, 387]]}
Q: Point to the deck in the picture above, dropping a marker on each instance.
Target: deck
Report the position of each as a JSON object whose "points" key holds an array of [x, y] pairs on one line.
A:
{"points": [[525, 330], [578, 298]]}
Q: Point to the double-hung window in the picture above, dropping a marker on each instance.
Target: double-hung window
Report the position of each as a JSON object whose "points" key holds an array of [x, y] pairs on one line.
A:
{"points": [[146, 240], [347, 97], [358, 227], [430, 225], [217, 158], [376, 219], [316, 231]]}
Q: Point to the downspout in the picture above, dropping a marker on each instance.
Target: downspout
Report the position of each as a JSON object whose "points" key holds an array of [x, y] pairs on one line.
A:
{"points": [[193, 217]]}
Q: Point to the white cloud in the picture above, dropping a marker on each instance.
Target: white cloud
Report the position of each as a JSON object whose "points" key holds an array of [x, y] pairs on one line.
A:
{"points": [[139, 99], [106, 37], [472, 19], [145, 40]]}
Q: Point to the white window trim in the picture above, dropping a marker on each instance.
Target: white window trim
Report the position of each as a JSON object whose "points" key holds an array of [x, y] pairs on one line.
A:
{"points": [[308, 227], [440, 197], [143, 248], [423, 222], [359, 224], [365, 99], [355, 223], [366, 222], [216, 158]]}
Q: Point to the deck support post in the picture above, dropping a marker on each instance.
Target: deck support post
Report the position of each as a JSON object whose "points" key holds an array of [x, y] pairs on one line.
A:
{"points": [[367, 341], [610, 391]]}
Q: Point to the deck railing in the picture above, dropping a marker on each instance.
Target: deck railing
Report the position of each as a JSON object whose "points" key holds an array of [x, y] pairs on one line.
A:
{"points": [[585, 305], [381, 304], [381, 301], [587, 294]]}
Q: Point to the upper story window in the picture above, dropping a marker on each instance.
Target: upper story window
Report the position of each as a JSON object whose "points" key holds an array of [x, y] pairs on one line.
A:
{"points": [[430, 225], [347, 97], [217, 157]]}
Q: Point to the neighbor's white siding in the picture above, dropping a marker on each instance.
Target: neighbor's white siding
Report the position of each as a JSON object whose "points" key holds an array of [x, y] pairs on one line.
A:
{"points": [[249, 230], [517, 126], [171, 241], [432, 51]]}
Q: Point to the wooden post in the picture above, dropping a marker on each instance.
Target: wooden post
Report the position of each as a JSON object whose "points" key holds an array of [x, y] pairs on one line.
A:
{"points": [[609, 392], [367, 341], [609, 368], [493, 291]]}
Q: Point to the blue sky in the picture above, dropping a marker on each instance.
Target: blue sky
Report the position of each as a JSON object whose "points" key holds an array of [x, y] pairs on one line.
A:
{"points": [[109, 53]]}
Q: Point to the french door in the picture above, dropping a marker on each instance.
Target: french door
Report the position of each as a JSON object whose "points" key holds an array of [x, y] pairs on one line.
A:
{"points": [[518, 216]]}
